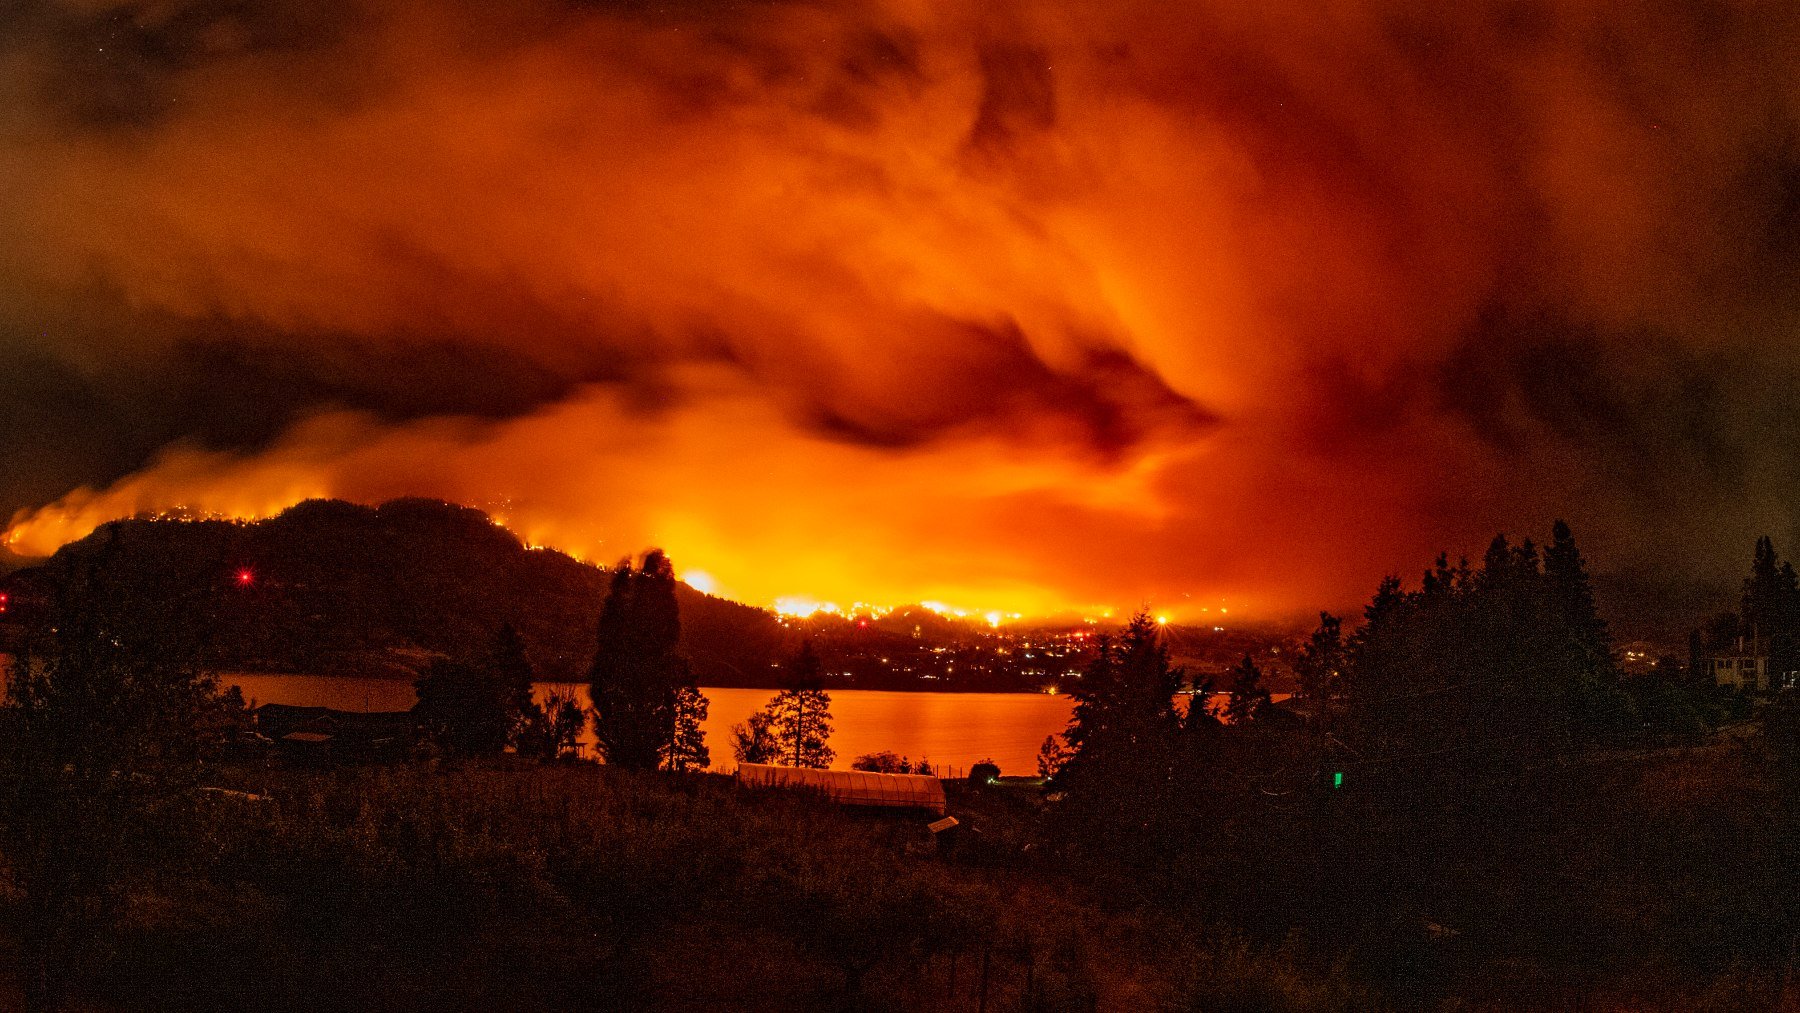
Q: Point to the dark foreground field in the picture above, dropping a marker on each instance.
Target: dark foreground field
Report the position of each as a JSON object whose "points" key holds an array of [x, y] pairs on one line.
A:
{"points": [[512, 886]]}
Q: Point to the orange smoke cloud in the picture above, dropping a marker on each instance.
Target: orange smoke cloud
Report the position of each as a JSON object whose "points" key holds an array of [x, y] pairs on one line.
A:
{"points": [[1026, 310]]}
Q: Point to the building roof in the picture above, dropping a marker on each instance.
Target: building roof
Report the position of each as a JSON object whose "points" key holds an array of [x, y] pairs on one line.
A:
{"points": [[850, 787]]}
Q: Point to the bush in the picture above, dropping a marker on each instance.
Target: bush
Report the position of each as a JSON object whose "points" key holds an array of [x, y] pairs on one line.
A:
{"points": [[985, 772], [884, 762]]}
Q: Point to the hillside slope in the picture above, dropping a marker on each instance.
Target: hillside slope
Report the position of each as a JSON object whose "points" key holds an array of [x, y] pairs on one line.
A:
{"points": [[335, 588]]}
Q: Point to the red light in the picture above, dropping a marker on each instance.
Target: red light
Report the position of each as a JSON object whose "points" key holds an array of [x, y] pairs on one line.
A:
{"points": [[245, 578]]}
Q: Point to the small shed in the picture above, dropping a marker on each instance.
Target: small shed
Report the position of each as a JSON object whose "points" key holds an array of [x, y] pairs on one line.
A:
{"points": [[850, 787]]}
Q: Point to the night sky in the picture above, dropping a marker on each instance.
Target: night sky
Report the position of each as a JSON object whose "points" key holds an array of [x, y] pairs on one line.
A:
{"points": [[1014, 306]]}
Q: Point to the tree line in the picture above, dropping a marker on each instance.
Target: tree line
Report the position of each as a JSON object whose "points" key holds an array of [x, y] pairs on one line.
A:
{"points": [[647, 710], [1410, 792]]}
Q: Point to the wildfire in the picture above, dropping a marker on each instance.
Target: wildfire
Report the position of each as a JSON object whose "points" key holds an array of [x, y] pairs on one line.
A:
{"points": [[802, 608]]}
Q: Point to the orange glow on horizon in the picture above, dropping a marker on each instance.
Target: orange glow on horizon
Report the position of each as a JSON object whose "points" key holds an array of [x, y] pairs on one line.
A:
{"points": [[1026, 311], [42, 533]]}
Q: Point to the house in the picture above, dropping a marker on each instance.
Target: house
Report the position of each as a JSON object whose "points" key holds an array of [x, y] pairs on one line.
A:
{"points": [[1740, 669], [317, 734]]}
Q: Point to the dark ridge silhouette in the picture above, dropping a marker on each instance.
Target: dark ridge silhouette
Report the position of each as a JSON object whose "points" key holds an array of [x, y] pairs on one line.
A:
{"points": [[335, 588]]}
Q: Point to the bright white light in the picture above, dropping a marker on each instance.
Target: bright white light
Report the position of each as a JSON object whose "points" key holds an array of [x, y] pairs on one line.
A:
{"points": [[701, 581], [800, 608]]}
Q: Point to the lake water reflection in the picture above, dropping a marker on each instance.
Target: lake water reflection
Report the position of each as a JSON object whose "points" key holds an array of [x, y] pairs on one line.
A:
{"points": [[952, 729]]}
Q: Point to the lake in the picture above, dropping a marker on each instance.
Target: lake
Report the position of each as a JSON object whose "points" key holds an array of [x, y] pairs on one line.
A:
{"points": [[955, 730]]}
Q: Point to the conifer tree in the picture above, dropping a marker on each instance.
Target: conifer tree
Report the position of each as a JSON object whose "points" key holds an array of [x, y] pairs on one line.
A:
{"points": [[1320, 668], [1127, 691], [1123, 771], [1051, 757], [687, 743], [512, 674], [1572, 603], [1762, 589], [1771, 610], [638, 670], [800, 716]]}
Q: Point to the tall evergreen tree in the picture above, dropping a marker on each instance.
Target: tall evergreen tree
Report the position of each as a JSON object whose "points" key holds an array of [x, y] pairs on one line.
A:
{"points": [[1127, 691], [1129, 751], [800, 716], [1572, 603], [1320, 668], [687, 743], [1762, 589], [638, 669], [1771, 611]]}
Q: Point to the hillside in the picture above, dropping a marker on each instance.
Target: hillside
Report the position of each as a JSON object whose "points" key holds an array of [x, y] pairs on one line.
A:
{"points": [[335, 588]]}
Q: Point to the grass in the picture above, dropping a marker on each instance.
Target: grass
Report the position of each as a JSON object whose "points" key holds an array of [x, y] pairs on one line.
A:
{"points": [[505, 885]]}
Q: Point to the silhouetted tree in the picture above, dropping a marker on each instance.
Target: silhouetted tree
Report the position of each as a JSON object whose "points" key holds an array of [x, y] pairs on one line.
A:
{"points": [[1123, 737], [1125, 695], [1320, 667], [1572, 605], [800, 716], [887, 762], [472, 708], [107, 715], [1248, 699], [638, 667], [1770, 611], [687, 745], [459, 708], [753, 741], [1763, 589], [1051, 756], [553, 730], [1464, 699]]}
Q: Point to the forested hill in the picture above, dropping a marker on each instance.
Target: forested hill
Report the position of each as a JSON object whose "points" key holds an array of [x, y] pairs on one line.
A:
{"points": [[334, 588]]}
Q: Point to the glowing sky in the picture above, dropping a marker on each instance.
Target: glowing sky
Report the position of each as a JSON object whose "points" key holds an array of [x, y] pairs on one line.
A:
{"points": [[1010, 306]]}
